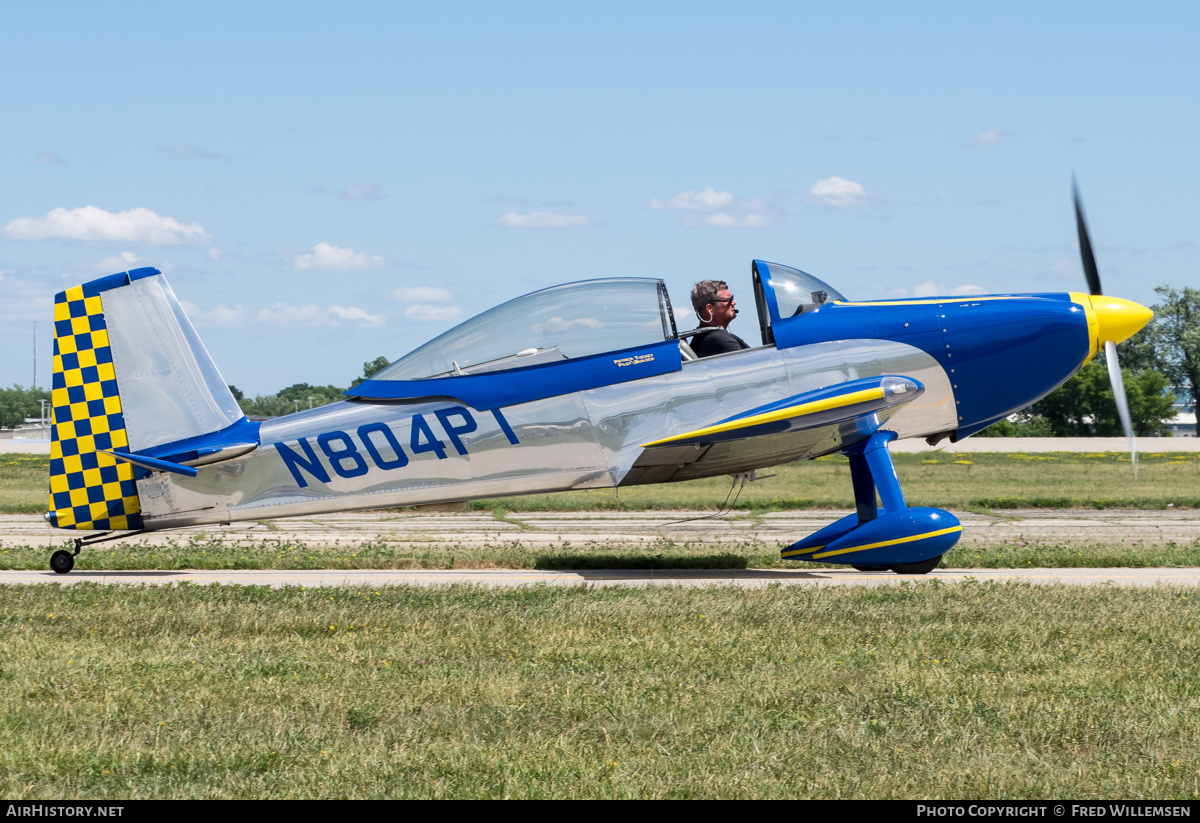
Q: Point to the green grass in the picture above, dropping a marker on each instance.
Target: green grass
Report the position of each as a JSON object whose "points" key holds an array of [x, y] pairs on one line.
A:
{"points": [[24, 483], [258, 552], [920, 691], [948, 481], [977, 481]]}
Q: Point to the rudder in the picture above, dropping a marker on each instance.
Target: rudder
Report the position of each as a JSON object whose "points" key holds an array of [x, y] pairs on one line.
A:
{"points": [[88, 490], [132, 377]]}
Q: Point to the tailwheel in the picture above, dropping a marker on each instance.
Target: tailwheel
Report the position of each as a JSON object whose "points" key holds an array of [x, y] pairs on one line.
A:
{"points": [[62, 561], [920, 567]]}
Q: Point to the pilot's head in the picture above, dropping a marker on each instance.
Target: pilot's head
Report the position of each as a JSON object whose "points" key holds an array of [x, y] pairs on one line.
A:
{"points": [[714, 303]]}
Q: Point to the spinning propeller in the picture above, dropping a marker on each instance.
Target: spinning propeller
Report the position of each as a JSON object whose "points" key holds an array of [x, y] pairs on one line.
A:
{"points": [[1117, 320]]}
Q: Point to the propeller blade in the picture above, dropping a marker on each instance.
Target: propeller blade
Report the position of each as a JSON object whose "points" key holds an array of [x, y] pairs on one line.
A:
{"points": [[1085, 246], [1118, 385]]}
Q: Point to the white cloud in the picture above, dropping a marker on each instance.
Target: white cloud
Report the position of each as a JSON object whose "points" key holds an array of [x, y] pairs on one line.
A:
{"points": [[26, 295], [424, 311], [353, 314], [967, 289], [988, 137], [47, 159], [562, 324], [542, 220], [423, 294], [92, 224], [281, 314], [719, 209], [1066, 270], [215, 254], [753, 220], [124, 261], [931, 288], [365, 191], [707, 200], [326, 257], [837, 192], [221, 315]]}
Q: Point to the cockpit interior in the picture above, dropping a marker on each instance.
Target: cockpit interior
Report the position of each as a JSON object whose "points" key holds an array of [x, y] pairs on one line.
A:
{"points": [[593, 317]]}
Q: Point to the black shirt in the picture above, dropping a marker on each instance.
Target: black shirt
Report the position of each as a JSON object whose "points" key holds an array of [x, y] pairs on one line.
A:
{"points": [[717, 341]]}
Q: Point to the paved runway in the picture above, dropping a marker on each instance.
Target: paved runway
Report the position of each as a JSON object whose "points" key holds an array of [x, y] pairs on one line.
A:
{"points": [[540, 532], [742, 578]]}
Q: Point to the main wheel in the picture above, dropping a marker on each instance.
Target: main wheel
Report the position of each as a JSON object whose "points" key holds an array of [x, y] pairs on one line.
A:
{"points": [[62, 561], [920, 567]]}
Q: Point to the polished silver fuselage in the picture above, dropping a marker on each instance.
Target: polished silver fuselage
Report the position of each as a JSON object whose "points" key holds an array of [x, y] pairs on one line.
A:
{"points": [[582, 440]]}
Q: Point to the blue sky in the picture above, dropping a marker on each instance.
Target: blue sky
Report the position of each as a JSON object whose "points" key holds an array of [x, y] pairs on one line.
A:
{"points": [[327, 183]]}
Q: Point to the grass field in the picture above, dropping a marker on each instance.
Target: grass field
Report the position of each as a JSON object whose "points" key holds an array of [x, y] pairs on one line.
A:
{"points": [[221, 552], [1000, 481], [915, 691], [922, 691], [962, 482]]}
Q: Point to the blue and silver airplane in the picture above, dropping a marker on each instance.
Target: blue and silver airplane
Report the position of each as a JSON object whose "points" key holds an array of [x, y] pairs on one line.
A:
{"points": [[580, 386]]}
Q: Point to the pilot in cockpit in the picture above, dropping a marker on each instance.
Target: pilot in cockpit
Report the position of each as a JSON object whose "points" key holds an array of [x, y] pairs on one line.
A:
{"points": [[715, 308]]}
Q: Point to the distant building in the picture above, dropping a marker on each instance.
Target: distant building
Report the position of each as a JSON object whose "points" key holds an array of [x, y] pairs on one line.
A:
{"points": [[1184, 424]]}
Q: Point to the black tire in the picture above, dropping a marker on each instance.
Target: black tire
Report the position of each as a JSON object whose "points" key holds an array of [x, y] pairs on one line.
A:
{"points": [[920, 567], [869, 568], [62, 561]]}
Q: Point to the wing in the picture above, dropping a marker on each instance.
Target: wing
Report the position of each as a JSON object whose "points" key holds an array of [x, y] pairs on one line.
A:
{"points": [[798, 427]]}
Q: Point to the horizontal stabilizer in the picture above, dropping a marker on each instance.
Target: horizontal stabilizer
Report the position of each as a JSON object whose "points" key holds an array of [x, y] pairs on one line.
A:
{"points": [[134, 391], [823, 407], [153, 464]]}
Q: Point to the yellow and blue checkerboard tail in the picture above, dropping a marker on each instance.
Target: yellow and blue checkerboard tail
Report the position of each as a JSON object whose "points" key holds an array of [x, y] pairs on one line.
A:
{"points": [[89, 490]]}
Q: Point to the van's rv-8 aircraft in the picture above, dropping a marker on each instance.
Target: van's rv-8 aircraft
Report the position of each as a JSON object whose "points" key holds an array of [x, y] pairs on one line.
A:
{"points": [[580, 386]]}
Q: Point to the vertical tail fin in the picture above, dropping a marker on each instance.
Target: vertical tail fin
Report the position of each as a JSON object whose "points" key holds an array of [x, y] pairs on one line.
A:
{"points": [[131, 376], [88, 489]]}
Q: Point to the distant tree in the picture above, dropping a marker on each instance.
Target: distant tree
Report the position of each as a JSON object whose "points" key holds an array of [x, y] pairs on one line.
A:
{"points": [[292, 399], [237, 393], [369, 369], [1177, 335], [320, 394], [1084, 406], [1032, 427], [17, 403], [1164, 353]]}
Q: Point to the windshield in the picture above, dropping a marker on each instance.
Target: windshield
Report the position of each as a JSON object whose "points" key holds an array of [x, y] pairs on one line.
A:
{"points": [[554, 324], [796, 291]]}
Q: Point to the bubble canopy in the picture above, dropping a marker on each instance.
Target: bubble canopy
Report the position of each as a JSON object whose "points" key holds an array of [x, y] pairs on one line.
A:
{"points": [[795, 291], [551, 325]]}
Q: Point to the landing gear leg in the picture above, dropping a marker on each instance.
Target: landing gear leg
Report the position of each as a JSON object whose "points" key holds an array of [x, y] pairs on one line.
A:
{"points": [[62, 561], [891, 537]]}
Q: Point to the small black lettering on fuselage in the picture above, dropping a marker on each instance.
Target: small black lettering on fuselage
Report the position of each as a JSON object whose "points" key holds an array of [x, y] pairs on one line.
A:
{"points": [[342, 454]]}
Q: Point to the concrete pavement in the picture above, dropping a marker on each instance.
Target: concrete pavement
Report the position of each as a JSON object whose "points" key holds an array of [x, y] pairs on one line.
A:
{"points": [[507, 578]]}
